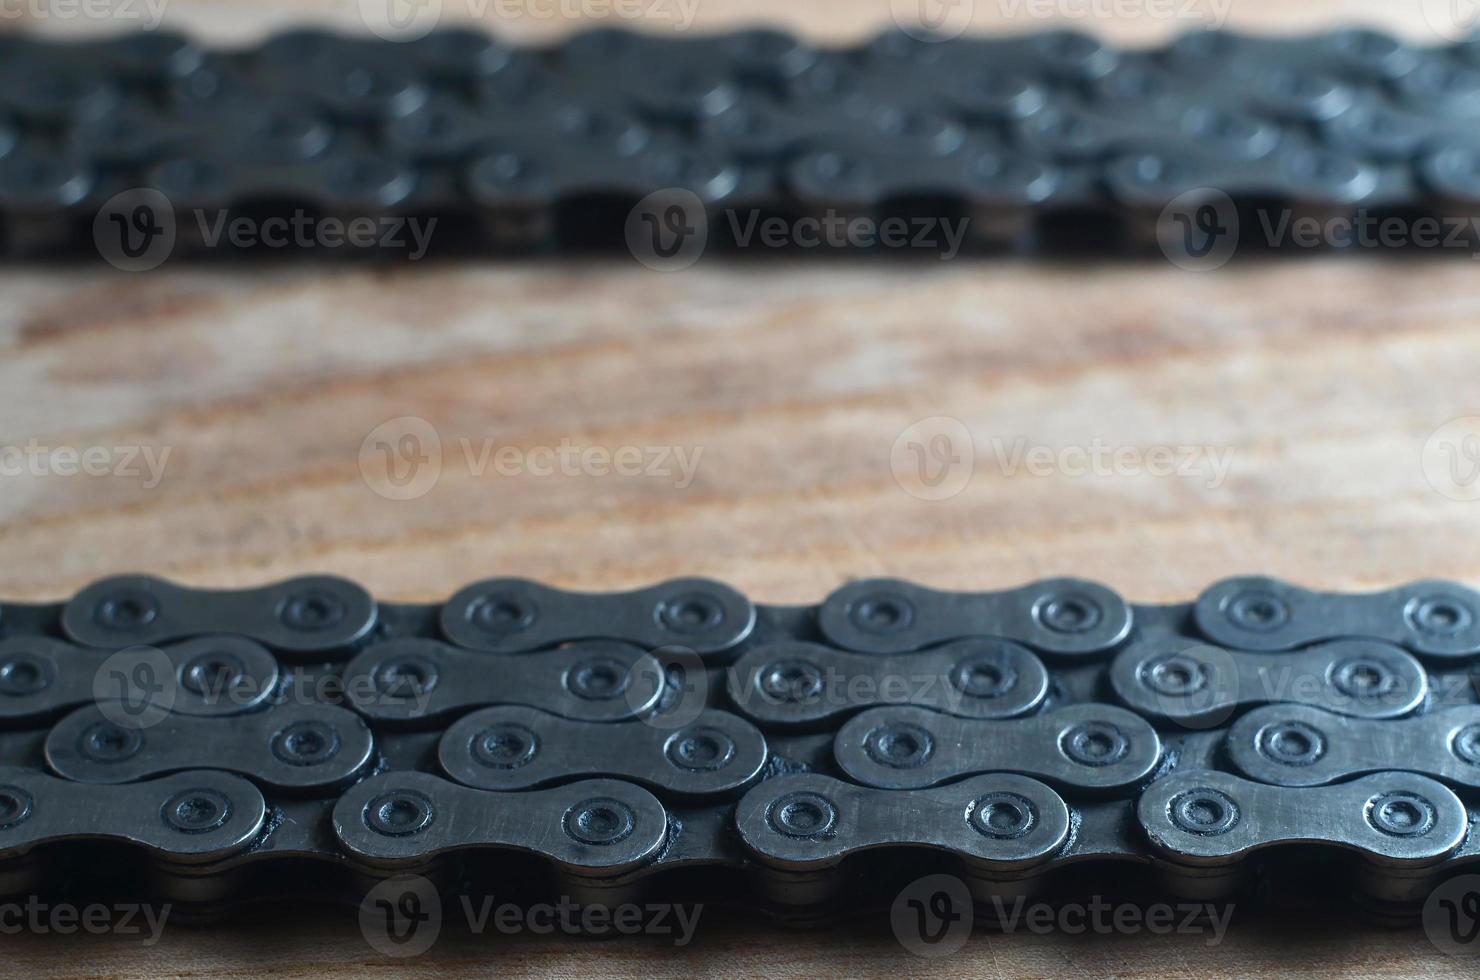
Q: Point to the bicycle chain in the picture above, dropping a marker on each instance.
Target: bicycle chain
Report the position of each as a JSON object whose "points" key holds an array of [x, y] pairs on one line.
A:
{"points": [[308, 740], [1040, 140]]}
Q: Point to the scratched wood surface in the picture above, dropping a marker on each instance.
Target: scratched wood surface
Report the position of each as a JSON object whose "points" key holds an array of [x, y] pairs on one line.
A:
{"points": [[234, 410]]}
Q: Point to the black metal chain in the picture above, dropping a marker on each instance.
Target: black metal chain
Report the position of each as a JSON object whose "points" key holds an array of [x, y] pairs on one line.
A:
{"points": [[1034, 141], [302, 738]]}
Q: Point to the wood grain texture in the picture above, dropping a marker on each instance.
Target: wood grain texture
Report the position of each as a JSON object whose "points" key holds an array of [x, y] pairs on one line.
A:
{"points": [[1322, 377]]}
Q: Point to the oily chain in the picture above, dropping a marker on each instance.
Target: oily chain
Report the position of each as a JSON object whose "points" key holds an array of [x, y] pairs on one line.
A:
{"points": [[1016, 734], [521, 145]]}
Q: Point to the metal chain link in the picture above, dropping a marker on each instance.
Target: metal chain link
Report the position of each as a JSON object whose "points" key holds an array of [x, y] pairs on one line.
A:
{"points": [[1038, 139], [304, 738]]}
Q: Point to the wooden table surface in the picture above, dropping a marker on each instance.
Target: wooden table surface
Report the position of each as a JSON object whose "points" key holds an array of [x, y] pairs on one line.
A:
{"points": [[1320, 380]]}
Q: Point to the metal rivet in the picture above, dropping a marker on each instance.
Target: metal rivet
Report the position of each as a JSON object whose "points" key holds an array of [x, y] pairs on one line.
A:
{"points": [[882, 613], [311, 611], [23, 674], [106, 742], [15, 806], [983, 675], [505, 746], [1439, 616], [1363, 678], [1257, 611], [1204, 811], [791, 681], [212, 675], [1466, 744], [598, 678], [691, 612], [899, 745], [600, 822], [1071, 613], [803, 816], [1003, 816], [1291, 743], [405, 678], [126, 609], [502, 614], [1174, 676], [399, 813], [306, 743], [1402, 814], [197, 811], [700, 749], [1094, 743]]}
